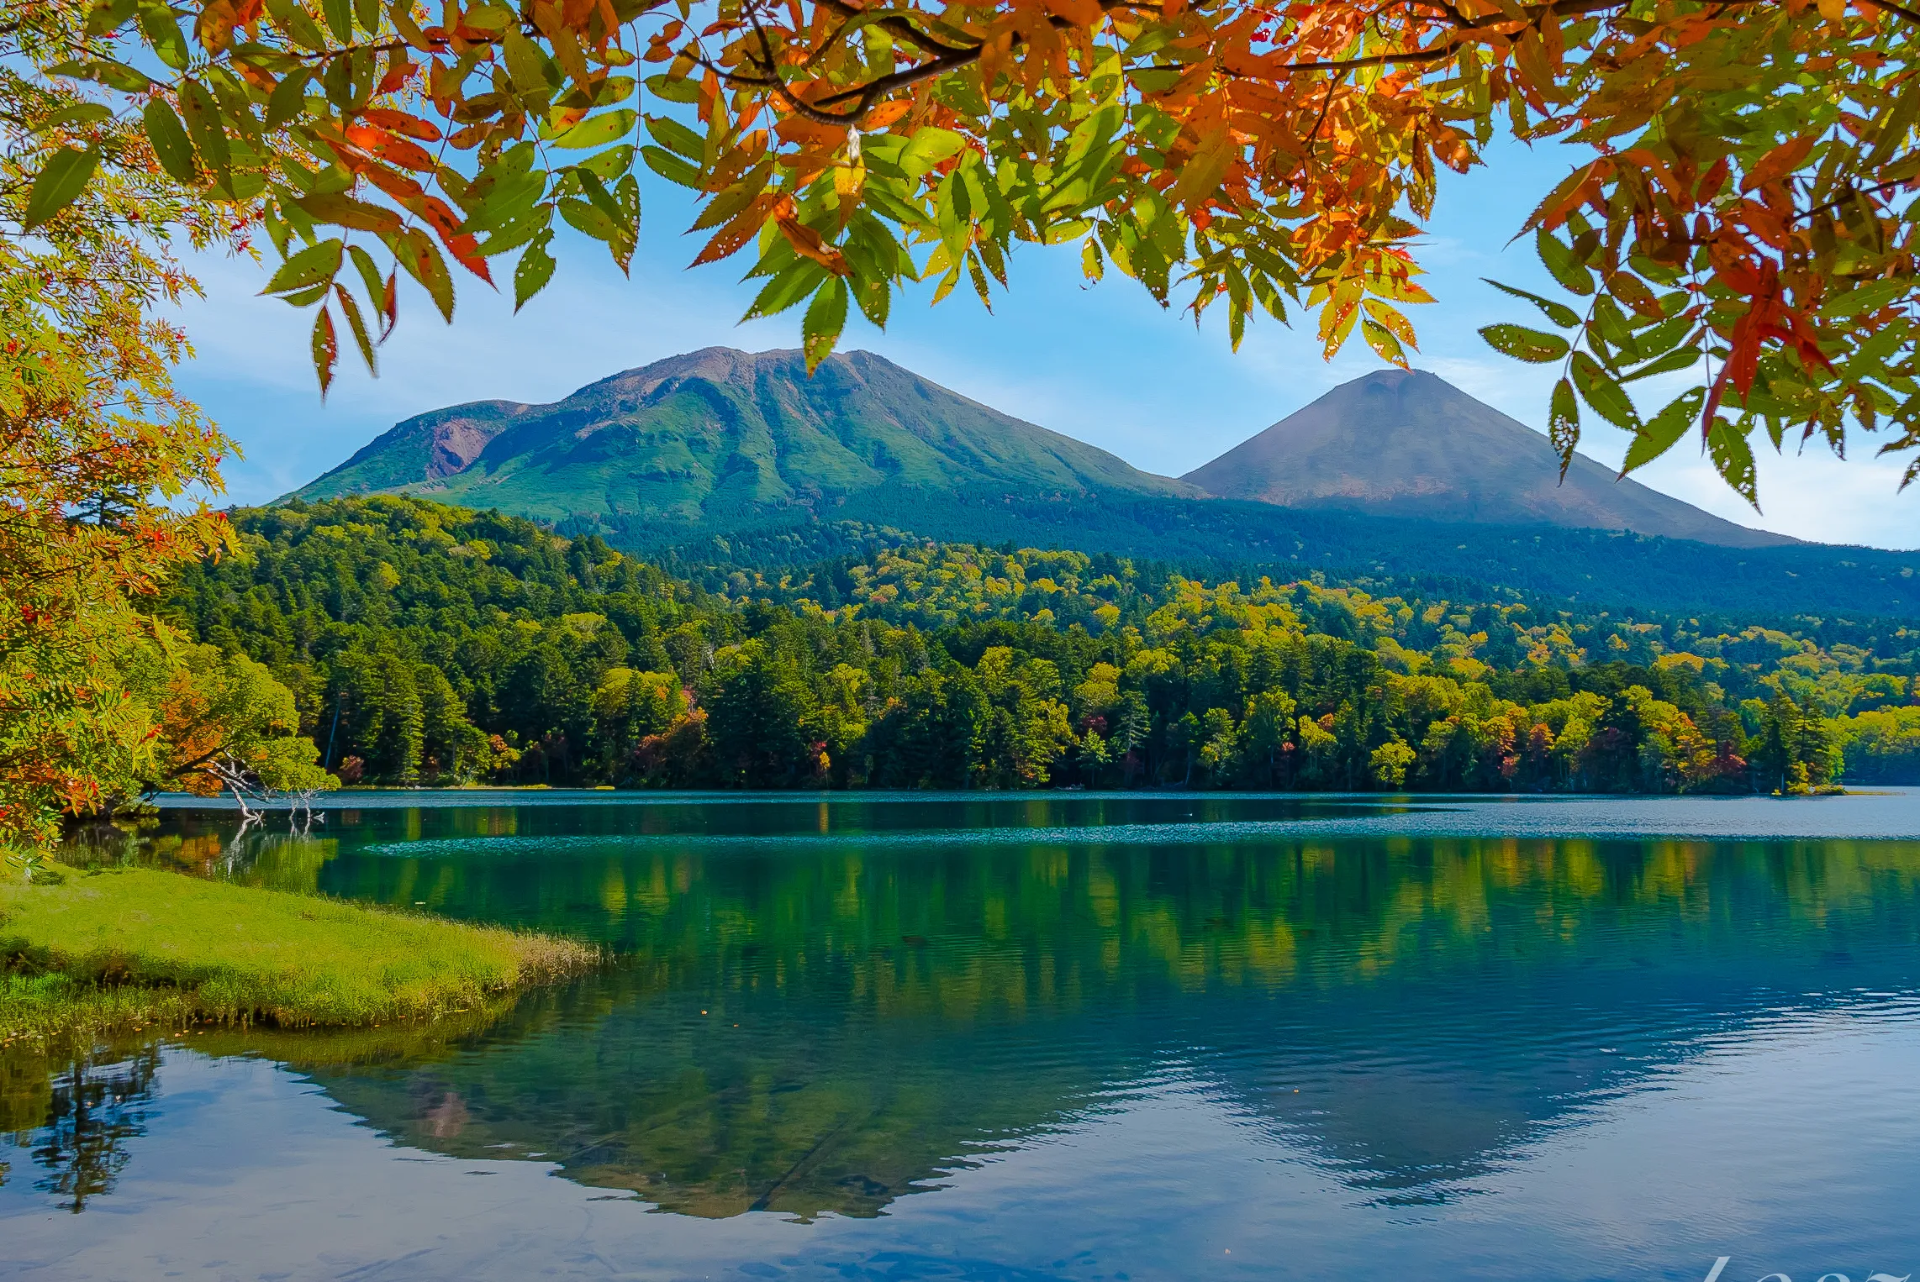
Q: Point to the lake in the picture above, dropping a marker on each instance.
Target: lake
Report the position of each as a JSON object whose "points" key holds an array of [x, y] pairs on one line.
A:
{"points": [[1075, 1036]]}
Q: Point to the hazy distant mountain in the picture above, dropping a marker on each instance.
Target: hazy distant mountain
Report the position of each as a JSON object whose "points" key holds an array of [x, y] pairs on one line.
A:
{"points": [[1412, 445], [719, 434]]}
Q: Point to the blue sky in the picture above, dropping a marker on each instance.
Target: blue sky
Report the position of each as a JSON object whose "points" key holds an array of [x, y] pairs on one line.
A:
{"points": [[1103, 363]]}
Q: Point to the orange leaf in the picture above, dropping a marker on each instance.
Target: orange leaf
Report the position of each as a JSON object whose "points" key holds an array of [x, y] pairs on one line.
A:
{"points": [[808, 243], [742, 227], [886, 113], [1778, 163], [407, 155], [398, 186], [402, 123]]}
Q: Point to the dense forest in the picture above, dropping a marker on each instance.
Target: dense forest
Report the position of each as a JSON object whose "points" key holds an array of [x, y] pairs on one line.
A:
{"points": [[432, 645], [1220, 538]]}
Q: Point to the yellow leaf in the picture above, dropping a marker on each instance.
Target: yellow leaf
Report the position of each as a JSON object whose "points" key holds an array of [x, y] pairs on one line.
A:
{"points": [[1203, 174]]}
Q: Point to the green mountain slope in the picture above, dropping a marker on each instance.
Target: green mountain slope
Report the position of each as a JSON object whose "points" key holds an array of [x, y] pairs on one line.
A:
{"points": [[720, 434]]}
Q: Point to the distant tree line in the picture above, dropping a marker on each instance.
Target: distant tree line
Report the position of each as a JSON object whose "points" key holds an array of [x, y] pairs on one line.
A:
{"points": [[432, 645]]}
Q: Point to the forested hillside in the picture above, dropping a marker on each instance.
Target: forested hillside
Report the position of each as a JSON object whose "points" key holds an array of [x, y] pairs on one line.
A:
{"points": [[1222, 538], [429, 644]]}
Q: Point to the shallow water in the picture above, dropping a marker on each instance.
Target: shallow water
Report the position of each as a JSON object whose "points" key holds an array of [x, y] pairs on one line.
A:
{"points": [[1073, 1036]]}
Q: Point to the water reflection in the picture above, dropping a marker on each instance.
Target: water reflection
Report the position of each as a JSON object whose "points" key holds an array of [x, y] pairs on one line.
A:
{"points": [[816, 1026], [75, 1119]]}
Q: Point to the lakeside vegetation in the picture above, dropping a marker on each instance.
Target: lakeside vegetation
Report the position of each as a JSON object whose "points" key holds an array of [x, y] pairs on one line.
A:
{"points": [[86, 953], [428, 644]]}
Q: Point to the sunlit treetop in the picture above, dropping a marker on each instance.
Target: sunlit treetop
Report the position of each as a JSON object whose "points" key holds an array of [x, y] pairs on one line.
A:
{"points": [[1741, 216]]}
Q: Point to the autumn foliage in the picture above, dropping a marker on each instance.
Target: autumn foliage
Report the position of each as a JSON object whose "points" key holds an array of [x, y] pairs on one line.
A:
{"points": [[1740, 215], [104, 467]]}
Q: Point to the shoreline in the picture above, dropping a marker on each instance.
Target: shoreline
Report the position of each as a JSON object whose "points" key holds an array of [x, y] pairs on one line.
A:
{"points": [[84, 954]]}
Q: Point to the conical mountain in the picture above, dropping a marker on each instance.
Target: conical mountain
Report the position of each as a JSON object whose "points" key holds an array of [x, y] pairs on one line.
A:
{"points": [[720, 433], [1409, 444]]}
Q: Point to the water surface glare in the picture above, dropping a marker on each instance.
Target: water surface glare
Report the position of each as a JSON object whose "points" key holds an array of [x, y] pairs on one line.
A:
{"points": [[1067, 1036]]}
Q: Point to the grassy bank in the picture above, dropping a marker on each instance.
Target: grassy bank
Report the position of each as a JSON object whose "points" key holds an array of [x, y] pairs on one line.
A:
{"points": [[97, 951]]}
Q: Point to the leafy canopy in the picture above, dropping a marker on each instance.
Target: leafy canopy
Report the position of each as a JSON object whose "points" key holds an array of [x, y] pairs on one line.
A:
{"points": [[1742, 216], [104, 466]]}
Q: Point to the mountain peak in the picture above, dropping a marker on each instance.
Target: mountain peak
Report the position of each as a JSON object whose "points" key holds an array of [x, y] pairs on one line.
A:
{"points": [[721, 430], [1407, 443]]}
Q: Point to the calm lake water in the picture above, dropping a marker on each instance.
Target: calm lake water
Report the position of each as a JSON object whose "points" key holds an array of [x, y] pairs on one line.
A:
{"points": [[1067, 1036]]}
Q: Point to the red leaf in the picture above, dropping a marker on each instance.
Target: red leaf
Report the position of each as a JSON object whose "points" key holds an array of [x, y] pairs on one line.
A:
{"points": [[402, 123]]}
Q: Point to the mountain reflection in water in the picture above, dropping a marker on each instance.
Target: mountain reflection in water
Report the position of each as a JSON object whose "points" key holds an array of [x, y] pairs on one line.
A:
{"points": [[825, 1008]]}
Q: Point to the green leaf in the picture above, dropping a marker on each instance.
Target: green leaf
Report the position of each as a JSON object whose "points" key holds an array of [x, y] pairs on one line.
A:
{"points": [[292, 18], [1869, 297], [114, 75], [874, 297], [596, 192], [598, 131], [1667, 335], [203, 123], [527, 67], [588, 218], [489, 17], [1680, 358], [626, 194], [59, 184], [788, 286], [1530, 345], [1563, 423], [369, 275], [1381, 339], [359, 327], [1559, 313], [337, 81], [677, 138], [928, 146], [517, 232], [1601, 393], [289, 98], [1614, 327], [326, 350], [311, 294], [507, 198], [1733, 459], [1890, 131], [415, 251], [671, 167], [81, 113], [609, 164], [533, 271], [109, 15], [673, 88], [825, 318], [339, 16], [308, 268], [170, 142], [163, 33], [1664, 429], [1091, 265], [1568, 270]]}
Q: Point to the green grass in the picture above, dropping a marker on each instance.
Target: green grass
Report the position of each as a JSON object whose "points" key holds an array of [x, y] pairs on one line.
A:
{"points": [[126, 949]]}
